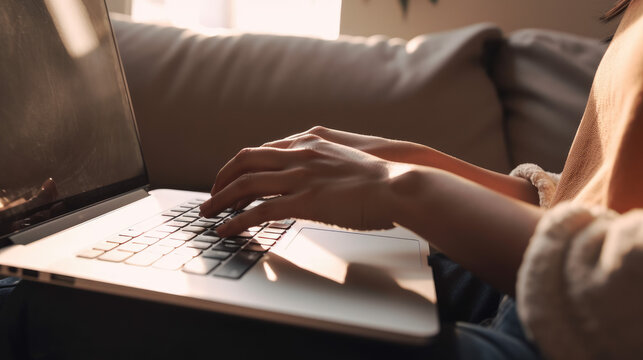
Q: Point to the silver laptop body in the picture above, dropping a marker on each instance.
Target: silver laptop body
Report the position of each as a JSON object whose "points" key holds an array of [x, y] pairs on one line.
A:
{"points": [[74, 199]]}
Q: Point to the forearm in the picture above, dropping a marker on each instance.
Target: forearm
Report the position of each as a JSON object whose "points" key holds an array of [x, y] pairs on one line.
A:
{"points": [[412, 153], [484, 231]]}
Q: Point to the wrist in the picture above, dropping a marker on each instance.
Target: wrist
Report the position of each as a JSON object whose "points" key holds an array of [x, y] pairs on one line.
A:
{"points": [[408, 188]]}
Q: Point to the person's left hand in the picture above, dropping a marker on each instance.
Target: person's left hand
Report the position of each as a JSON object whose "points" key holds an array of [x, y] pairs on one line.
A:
{"points": [[317, 180]]}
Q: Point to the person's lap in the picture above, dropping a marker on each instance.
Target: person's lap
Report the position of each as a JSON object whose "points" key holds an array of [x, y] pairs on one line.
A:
{"points": [[45, 321]]}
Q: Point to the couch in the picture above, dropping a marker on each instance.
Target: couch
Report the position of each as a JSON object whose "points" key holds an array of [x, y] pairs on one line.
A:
{"points": [[493, 99]]}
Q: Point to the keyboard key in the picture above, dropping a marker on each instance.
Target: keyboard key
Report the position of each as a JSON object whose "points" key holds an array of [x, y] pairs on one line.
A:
{"points": [[90, 253], [186, 206], [176, 224], [203, 224], [115, 256], [161, 249], [211, 233], [274, 231], [185, 250], [196, 202], [172, 262], [194, 229], [236, 241], [216, 254], [238, 264], [208, 239], [198, 244], [227, 247], [166, 228], [267, 235], [119, 239], [105, 246], [191, 215], [212, 221], [200, 266], [281, 224], [262, 241], [255, 229], [131, 232], [178, 209], [256, 247], [184, 219], [132, 247], [182, 235], [169, 214], [145, 240], [156, 234], [171, 242], [145, 258]]}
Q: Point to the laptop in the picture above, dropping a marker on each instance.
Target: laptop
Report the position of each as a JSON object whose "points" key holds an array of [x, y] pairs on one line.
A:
{"points": [[76, 209]]}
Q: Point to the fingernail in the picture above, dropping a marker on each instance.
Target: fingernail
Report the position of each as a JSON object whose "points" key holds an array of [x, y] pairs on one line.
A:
{"points": [[204, 207]]}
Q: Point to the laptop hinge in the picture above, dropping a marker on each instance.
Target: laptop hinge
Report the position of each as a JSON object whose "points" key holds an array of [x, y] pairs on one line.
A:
{"points": [[77, 217]]}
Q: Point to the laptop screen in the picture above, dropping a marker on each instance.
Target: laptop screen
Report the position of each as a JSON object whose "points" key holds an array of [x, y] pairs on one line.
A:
{"points": [[67, 132]]}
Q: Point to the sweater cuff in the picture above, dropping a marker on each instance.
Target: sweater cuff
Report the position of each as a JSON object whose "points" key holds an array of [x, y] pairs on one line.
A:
{"points": [[578, 292], [544, 181]]}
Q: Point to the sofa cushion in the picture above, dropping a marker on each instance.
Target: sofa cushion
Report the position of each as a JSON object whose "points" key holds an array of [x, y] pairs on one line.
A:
{"points": [[200, 99], [543, 79]]}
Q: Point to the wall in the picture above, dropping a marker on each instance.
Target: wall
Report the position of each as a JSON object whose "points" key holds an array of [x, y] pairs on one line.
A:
{"points": [[369, 17]]}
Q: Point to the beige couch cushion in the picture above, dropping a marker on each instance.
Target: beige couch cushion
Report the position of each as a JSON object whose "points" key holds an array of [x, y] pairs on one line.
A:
{"points": [[543, 79], [198, 99]]}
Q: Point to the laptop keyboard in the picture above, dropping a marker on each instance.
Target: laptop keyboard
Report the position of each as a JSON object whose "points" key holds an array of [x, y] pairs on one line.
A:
{"points": [[180, 240]]}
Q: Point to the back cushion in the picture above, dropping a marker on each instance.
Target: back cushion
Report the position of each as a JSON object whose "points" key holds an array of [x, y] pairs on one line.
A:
{"points": [[200, 99], [543, 79]]}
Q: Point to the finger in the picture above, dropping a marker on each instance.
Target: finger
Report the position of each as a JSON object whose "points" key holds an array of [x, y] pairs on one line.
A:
{"points": [[285, 142], [252, 186], [243, 203], [279, 208], [299, 140], [253, 160], [279, 144]]}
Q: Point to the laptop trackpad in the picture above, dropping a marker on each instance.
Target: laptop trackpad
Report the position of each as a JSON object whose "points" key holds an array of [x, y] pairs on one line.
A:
{"points": [[329, 253]]}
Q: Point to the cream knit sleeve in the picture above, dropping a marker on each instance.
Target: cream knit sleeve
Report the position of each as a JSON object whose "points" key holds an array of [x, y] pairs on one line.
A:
{"points": [[579, 289], [544, 181]]}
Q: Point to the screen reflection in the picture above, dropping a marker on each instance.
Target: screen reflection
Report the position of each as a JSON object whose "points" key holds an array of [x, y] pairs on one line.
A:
{"points": [[67, 135]]}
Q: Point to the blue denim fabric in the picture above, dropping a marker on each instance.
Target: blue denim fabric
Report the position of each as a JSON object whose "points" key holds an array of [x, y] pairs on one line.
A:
{"points": [[478, 322], [40, 321], [6, 287]]}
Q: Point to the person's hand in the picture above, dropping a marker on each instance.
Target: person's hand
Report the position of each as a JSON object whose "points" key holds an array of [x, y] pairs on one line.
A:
{"points": [[317, 179], [387, 149], [417, 154]]}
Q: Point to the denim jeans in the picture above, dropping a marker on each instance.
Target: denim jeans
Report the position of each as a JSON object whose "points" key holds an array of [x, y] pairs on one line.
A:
{"points": [[41, 321]]}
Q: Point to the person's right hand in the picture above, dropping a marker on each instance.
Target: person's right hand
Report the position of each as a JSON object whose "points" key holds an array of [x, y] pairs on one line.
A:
{"points": [[387, 149], [317, 179], [417, 154]]}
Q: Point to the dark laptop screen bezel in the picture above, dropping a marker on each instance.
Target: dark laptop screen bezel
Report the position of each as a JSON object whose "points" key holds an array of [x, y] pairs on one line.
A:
{"points": [[66, 206]]}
